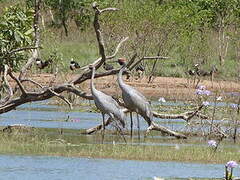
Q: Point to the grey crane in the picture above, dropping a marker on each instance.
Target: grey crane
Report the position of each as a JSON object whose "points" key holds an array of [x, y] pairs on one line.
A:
{"points": [[134, 100], [106, 104]]}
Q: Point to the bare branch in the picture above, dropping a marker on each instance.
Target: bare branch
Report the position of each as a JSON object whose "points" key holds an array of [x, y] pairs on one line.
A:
{"points": [[185, 116], [39, 96], [155, 57], [132, 60], [108, 57], [109, 9], [18, 83], [71, 88], [117, 48], [32, 81], [147, 58], [10, 91], [99, 127], [61, 97], [165, 130], [6, 69], [21, 49]]}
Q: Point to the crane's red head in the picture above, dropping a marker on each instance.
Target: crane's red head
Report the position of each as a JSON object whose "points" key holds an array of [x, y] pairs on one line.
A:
{"points": [[122, 61]]}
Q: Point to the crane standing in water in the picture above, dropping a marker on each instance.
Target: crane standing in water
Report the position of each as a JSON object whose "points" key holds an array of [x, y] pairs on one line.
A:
{"points": [[134, 100], [106, 104]]}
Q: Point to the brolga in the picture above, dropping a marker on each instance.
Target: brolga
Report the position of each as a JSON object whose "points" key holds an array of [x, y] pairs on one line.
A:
{"points": [[106, 104], [134, 100]]}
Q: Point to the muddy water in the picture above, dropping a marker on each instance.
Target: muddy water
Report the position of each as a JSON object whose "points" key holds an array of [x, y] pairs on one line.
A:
{"points": [[62, 168]]}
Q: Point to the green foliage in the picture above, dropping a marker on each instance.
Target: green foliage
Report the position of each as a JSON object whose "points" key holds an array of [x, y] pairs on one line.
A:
{"points": [[15, 32], [183, 30]]}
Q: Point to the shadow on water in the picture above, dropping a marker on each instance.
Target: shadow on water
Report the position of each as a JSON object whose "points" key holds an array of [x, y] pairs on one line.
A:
{"points": [[43, 167]]}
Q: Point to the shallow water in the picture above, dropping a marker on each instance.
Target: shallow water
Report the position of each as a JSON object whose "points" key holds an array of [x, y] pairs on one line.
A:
{"points": [[50, 116], [58, 168]]}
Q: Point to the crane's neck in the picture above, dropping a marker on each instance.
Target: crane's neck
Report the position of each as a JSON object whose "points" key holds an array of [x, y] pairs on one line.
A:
{"points": [[120, 79], [92, 79]]}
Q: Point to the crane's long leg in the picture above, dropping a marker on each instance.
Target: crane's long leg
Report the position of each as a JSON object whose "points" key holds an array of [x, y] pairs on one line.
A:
{"points": [[119, 130], [138, 125], [103, 126], [131, 124]]}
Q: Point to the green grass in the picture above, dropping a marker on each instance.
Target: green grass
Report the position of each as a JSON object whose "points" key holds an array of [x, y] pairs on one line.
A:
{"points": [[48, 143], [79, 46], [159, 30]]}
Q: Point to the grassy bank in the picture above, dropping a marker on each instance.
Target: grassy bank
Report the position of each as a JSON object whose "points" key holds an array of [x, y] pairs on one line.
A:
{"points": [[65, 145]]}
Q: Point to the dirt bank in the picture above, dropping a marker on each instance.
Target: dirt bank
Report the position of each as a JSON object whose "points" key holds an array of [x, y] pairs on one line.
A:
{"points": [[168, 87]]}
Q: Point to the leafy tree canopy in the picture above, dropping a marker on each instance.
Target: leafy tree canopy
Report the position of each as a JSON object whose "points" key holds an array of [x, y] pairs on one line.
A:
{"points": [[15, 32]]}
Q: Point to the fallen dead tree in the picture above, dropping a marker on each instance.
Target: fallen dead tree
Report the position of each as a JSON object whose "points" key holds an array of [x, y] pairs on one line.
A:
{"points": [[12, 100]]}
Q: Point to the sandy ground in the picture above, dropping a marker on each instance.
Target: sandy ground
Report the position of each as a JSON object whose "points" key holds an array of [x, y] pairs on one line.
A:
{"points": [[168, 87]]}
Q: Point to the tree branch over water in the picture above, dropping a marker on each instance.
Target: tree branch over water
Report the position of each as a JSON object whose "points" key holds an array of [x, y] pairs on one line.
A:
{"points": [[12, 101]]}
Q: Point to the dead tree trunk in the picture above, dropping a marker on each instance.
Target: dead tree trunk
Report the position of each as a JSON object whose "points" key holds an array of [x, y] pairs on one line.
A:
{"points": [[47, 92]]}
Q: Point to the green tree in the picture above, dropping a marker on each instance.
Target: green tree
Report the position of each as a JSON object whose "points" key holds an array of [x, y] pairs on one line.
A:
{"points": [[15, 32]]}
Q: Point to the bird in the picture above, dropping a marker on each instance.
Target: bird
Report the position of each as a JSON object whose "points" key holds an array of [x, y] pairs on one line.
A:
{"points": [[134, 100], [42, 64], [74, 65], [107, 67], [191, 72], [201, 72], [197, 72], [105, 103]]}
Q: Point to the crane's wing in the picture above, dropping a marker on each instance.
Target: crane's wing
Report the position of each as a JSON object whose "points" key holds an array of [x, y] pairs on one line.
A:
{"points": [[105, 102]]}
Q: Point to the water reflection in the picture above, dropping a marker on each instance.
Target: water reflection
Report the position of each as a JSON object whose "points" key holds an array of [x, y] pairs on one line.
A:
{"points": [[57, 168]]}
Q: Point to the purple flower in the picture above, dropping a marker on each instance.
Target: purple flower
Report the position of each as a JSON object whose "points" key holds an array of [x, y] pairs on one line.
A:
{"points": [[231, 164], [206, 92], [205, 103], [212, 143], [199, 92], [234, 106], [203, 92]]}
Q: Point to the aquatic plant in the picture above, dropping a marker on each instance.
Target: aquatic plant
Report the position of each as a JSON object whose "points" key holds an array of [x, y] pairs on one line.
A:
{"points": [[212, 143], [205, 103], [229, 169], [219, 98]]}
